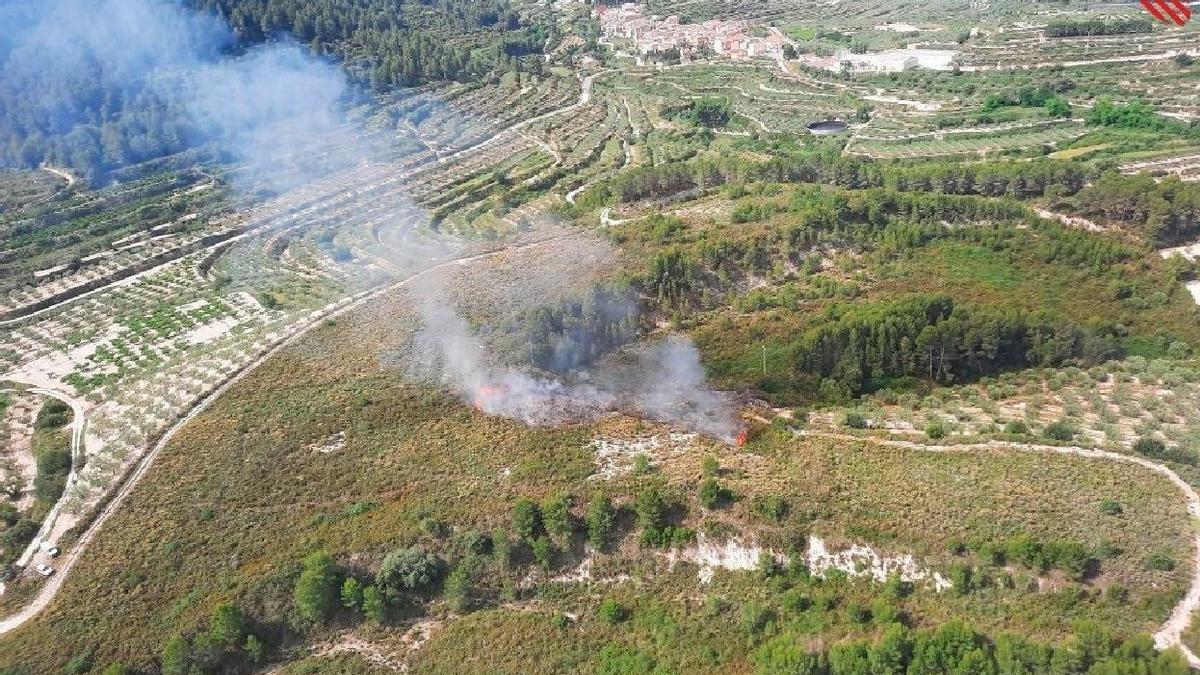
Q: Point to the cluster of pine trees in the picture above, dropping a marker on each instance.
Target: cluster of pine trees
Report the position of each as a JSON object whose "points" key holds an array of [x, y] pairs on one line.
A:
{"points": [[932, 337], [1132, 115], [103, 129], [96, 122], [574, 332], [1165, 211], [395, 42]]}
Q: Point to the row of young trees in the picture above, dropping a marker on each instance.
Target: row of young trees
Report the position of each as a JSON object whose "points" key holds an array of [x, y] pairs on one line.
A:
{"points": [[990, 179], [1098, 27], [956, 647]]}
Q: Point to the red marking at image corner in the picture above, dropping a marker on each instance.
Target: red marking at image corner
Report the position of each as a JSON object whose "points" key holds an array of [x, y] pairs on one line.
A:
{"points": [[1169, 11]]}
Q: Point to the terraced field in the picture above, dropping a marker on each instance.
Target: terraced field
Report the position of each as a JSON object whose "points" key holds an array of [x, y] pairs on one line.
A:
{"points": [[140, 333]]}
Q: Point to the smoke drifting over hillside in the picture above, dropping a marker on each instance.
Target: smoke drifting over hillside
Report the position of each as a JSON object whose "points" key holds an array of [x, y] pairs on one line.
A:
{"points": [[277, 115], [666, 383], [68, 63]]}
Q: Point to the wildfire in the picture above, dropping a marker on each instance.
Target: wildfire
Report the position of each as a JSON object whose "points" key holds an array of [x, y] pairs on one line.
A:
{"points": [[742, 437], [485, 394]]}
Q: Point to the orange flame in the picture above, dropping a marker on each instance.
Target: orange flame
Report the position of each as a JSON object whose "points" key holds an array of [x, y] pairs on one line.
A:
{"points": [[486, 393], [742, 437]]}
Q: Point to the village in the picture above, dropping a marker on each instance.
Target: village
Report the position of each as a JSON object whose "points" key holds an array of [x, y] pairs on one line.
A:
{"points": [[652, 34], [739, 40]]}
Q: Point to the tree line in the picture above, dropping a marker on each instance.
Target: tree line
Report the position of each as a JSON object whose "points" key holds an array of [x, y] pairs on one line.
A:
{"points": [[1098, 27], [933, 337], [990, 179], [1163, 212], [956, 647]]}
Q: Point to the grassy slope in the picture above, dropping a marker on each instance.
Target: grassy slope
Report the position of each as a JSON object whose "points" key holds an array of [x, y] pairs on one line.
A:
{"points": [[237, 499], [342, 664], [977, 274]]}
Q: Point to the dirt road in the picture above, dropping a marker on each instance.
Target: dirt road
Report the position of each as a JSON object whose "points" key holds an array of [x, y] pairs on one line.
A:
{"points": [[1171, 632], [78, 423], [67, 562]]}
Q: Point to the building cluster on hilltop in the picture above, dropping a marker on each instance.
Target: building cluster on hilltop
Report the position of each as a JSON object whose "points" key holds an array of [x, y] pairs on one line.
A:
{"points": [[738, 40], [654, 34]]}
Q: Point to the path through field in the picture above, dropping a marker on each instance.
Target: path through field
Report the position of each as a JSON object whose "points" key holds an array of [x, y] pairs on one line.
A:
{"points": [[47, 593], [1171, 632], [78, 424]]}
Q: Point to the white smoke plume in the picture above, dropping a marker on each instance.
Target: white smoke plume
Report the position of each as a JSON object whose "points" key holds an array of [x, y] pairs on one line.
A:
{"points": [[673, 390], [278, 115], [666, 383], [272, 112]]}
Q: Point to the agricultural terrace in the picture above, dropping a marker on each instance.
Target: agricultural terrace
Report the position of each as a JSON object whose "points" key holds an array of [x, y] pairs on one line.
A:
{"points": [[138, 332]]}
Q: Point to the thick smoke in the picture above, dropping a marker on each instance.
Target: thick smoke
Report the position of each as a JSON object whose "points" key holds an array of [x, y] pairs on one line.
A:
{"points": [[119, 41]]}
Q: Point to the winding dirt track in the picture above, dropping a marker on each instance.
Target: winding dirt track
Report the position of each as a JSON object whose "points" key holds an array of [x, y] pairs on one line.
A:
{"points": [[78, 424], [47, 593], [1170, 633]]}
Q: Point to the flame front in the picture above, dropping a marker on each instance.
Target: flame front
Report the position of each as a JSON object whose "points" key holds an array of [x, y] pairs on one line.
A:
{"points": [[485, 395]]}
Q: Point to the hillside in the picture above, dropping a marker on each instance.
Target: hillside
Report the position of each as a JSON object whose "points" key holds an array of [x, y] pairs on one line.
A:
{"points": [[371, 337]]}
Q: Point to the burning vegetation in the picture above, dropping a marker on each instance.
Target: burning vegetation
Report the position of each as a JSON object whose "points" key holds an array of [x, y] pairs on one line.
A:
{"points": [[661, 380], [547, 403]]}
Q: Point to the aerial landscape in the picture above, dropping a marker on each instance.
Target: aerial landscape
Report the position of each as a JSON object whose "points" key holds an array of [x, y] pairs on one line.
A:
{"points": [[523, 336]]}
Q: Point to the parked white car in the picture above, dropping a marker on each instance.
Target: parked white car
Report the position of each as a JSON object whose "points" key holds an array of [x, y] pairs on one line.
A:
{"points": [[45, 570], [48, 548]]}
